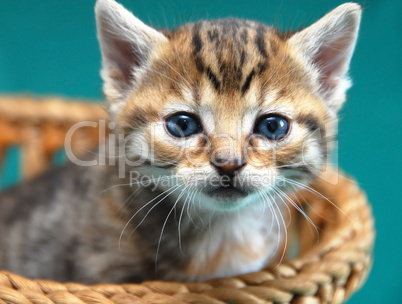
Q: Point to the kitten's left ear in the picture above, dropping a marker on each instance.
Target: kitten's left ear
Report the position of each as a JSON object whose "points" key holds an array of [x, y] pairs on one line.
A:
{"points": [[328, 44]]}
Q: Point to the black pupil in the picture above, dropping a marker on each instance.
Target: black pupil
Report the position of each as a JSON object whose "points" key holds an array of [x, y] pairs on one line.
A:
{"points": [[182, 123], [272, 125]]}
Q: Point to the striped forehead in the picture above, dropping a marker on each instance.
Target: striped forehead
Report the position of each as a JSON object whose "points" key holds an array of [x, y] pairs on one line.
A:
{"points": [[230, 56], [230, 68], [231, 52]]}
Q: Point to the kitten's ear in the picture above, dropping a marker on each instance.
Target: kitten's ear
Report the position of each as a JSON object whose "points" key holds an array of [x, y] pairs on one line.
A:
{"points": [[328, 45], [126, 45]]}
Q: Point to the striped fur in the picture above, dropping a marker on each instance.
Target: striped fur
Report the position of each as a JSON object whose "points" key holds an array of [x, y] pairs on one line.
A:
{"points": [[228, 74]]}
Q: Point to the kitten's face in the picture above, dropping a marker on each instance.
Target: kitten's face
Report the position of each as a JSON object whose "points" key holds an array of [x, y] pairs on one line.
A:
{"points": [[230, 108]]}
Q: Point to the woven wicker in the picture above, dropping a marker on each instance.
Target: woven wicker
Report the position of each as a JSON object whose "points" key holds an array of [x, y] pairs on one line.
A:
{"points": [[328, 269]]}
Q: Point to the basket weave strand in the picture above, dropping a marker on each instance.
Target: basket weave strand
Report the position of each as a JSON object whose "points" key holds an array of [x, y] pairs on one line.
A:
{"points": [[39, 129], [329, 268]]}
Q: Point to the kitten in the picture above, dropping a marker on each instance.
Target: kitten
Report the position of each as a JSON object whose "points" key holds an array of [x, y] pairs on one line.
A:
{"points": [[222, 120]]}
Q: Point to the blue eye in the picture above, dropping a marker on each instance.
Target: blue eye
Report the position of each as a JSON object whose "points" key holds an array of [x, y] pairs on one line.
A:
{"points": [[183, 125], [273, 127]]}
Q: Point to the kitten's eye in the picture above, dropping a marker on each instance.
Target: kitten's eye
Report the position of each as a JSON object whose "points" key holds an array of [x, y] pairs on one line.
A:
{"points": [[273, 126], [183, 125]]}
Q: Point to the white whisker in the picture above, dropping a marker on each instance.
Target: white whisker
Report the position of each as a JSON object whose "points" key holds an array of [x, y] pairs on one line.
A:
{"points": [[133, 216], [181, 217], [273, 204], [305, 187], [269, 202], [127, 201], [164, 225], [181, 62], [286, 235], [298, 208], [145, 182]]}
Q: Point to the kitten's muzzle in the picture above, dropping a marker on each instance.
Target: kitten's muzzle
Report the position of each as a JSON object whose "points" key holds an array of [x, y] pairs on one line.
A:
{"points": [[227, 189]]}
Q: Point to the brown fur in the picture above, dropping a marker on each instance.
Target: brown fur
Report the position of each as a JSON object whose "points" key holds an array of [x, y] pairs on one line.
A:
{"points": [[197, 51], [98, 225]]}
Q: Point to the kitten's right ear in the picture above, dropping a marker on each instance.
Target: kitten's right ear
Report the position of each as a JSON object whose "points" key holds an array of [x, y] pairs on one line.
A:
{"points": [[126, 45]]}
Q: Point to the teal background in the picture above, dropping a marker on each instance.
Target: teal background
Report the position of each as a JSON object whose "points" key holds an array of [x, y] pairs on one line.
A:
{"points": [[50, 47]]}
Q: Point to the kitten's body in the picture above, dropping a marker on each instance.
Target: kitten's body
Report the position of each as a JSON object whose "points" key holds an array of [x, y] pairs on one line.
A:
{"points": [[67, 229], [222, 80]]}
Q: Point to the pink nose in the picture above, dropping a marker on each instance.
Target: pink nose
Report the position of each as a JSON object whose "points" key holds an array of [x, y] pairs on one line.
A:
{"points": [[228, 166]]}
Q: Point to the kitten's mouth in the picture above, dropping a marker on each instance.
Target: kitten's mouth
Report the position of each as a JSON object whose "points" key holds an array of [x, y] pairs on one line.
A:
{"points": [[227, 193]]}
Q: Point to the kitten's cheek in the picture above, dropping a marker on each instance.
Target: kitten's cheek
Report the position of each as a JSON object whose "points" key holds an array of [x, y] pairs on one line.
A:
{"points": [[261, 162], [198, 160], [260, 157]]}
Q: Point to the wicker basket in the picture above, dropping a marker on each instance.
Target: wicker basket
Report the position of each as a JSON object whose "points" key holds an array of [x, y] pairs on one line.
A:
{"points": [[328, 269]]}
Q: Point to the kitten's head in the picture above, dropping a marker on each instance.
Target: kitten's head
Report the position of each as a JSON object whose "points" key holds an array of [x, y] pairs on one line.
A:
{"points": [[231, 108]]}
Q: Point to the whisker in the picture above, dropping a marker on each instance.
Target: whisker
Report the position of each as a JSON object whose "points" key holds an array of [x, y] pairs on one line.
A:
{"points": [[143, 182], [272, 210], [149, 211], [286, 205], [286, 235], [290, 165], [181, 62], [313, 191], [134, 215], [264, 203], [305, 202], [273, 205], [163, 227], [274, 72], [199, 207], [167, 77], [274, 188], [174, 70], [129, 199], [194, 208], [181, 217], [298, 208]]}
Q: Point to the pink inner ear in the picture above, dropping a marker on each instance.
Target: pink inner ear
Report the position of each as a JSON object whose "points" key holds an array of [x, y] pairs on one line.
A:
{"points": [[123, 58], [332, 61]]}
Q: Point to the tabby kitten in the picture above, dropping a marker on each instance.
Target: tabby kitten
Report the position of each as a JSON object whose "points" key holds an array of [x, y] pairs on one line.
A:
{"points": [[222, 120]]}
